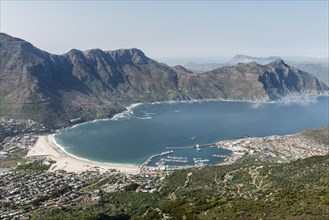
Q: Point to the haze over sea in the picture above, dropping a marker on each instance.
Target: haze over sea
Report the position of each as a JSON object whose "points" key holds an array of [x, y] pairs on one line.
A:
{"points": [[149, 128]]}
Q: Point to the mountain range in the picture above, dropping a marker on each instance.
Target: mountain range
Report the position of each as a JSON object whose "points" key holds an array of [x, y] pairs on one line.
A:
{"points": [[247, 59], [318, 68], [55, 88]]}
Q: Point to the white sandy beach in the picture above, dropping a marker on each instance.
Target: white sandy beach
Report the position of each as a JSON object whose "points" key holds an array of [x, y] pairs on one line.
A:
{"points": [[46, 147]]}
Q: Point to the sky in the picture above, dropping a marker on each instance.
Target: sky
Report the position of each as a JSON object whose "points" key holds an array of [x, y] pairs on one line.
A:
{"points": [[168, 30]]}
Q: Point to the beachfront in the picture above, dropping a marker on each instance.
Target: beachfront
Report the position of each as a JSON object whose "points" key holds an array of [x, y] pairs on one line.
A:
{"points": [[46, 147]]}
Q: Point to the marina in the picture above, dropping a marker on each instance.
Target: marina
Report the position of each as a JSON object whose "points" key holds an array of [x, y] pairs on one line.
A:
{"points": [[148, 161], [164, 161]]}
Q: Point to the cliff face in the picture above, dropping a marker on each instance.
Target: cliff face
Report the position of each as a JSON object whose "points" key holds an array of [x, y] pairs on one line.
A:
{"points": [[280, 80], [48, 87]]}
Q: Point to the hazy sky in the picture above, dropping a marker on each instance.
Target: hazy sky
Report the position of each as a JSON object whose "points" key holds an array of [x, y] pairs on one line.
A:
{"points": [[204, 29]]}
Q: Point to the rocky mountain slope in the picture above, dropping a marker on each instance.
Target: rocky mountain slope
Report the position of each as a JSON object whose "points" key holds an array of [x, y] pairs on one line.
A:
{"points": [[253, 81], [319, 69], [95, 83]]}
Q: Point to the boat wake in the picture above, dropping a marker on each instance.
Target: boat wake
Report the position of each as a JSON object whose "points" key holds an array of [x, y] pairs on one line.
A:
{"points": [[123, 115], [147, 113], [127, 114], [143, 118]]}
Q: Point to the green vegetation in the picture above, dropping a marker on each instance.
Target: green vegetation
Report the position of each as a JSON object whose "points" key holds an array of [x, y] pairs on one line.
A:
{"points": [[97, 183], [131, 187], [17, 155], [320, 135], [38, 201], [10, 130], [13, 158], [298, 190], [28, 167]]}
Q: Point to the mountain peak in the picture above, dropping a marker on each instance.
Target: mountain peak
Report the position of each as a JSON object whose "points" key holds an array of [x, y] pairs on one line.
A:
{"points": [[74, 51], [15, 44], [130, 51], [6, 38], [278, 62], [182, 69], [132, 55], [240, 56], [10, 41]]}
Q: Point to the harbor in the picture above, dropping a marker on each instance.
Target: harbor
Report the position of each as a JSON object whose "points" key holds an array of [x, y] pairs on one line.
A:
{"points": [[148, 161], [199, 155]]}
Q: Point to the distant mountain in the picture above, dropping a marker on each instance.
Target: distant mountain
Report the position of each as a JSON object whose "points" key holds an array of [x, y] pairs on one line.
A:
{"points": [[317, 68], [201, 68], [95, 83], [259, 82], [247, 59]]}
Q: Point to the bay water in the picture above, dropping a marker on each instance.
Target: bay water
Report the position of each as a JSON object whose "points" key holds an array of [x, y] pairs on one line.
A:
{"points": [[149, 129]]}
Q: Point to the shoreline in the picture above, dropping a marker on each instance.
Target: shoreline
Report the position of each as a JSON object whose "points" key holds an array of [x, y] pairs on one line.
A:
{"points": [[292, 98], [44, 147], [129, 110], [53, 143], [48, 147]]}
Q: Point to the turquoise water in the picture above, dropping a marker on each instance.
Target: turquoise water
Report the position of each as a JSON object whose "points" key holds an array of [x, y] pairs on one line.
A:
{"points": [[150, 128]]}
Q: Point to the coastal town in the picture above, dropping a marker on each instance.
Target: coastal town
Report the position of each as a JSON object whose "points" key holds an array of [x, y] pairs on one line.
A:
{"points": [[22, 192], [31, 181], [280, 149]]}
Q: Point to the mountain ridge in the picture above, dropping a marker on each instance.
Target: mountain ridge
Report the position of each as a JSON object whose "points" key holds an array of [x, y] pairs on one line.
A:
{"points": [[47, 87], [319, 69]]}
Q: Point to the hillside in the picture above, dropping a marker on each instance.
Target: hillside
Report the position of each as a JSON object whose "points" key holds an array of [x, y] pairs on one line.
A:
{"points": [[94, 83], [319, 69], [248, 189]]}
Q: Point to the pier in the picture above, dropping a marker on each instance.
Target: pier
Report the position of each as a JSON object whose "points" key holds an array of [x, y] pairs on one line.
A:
{"points": [[177, 148], [198, 146], [153, 156]]}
